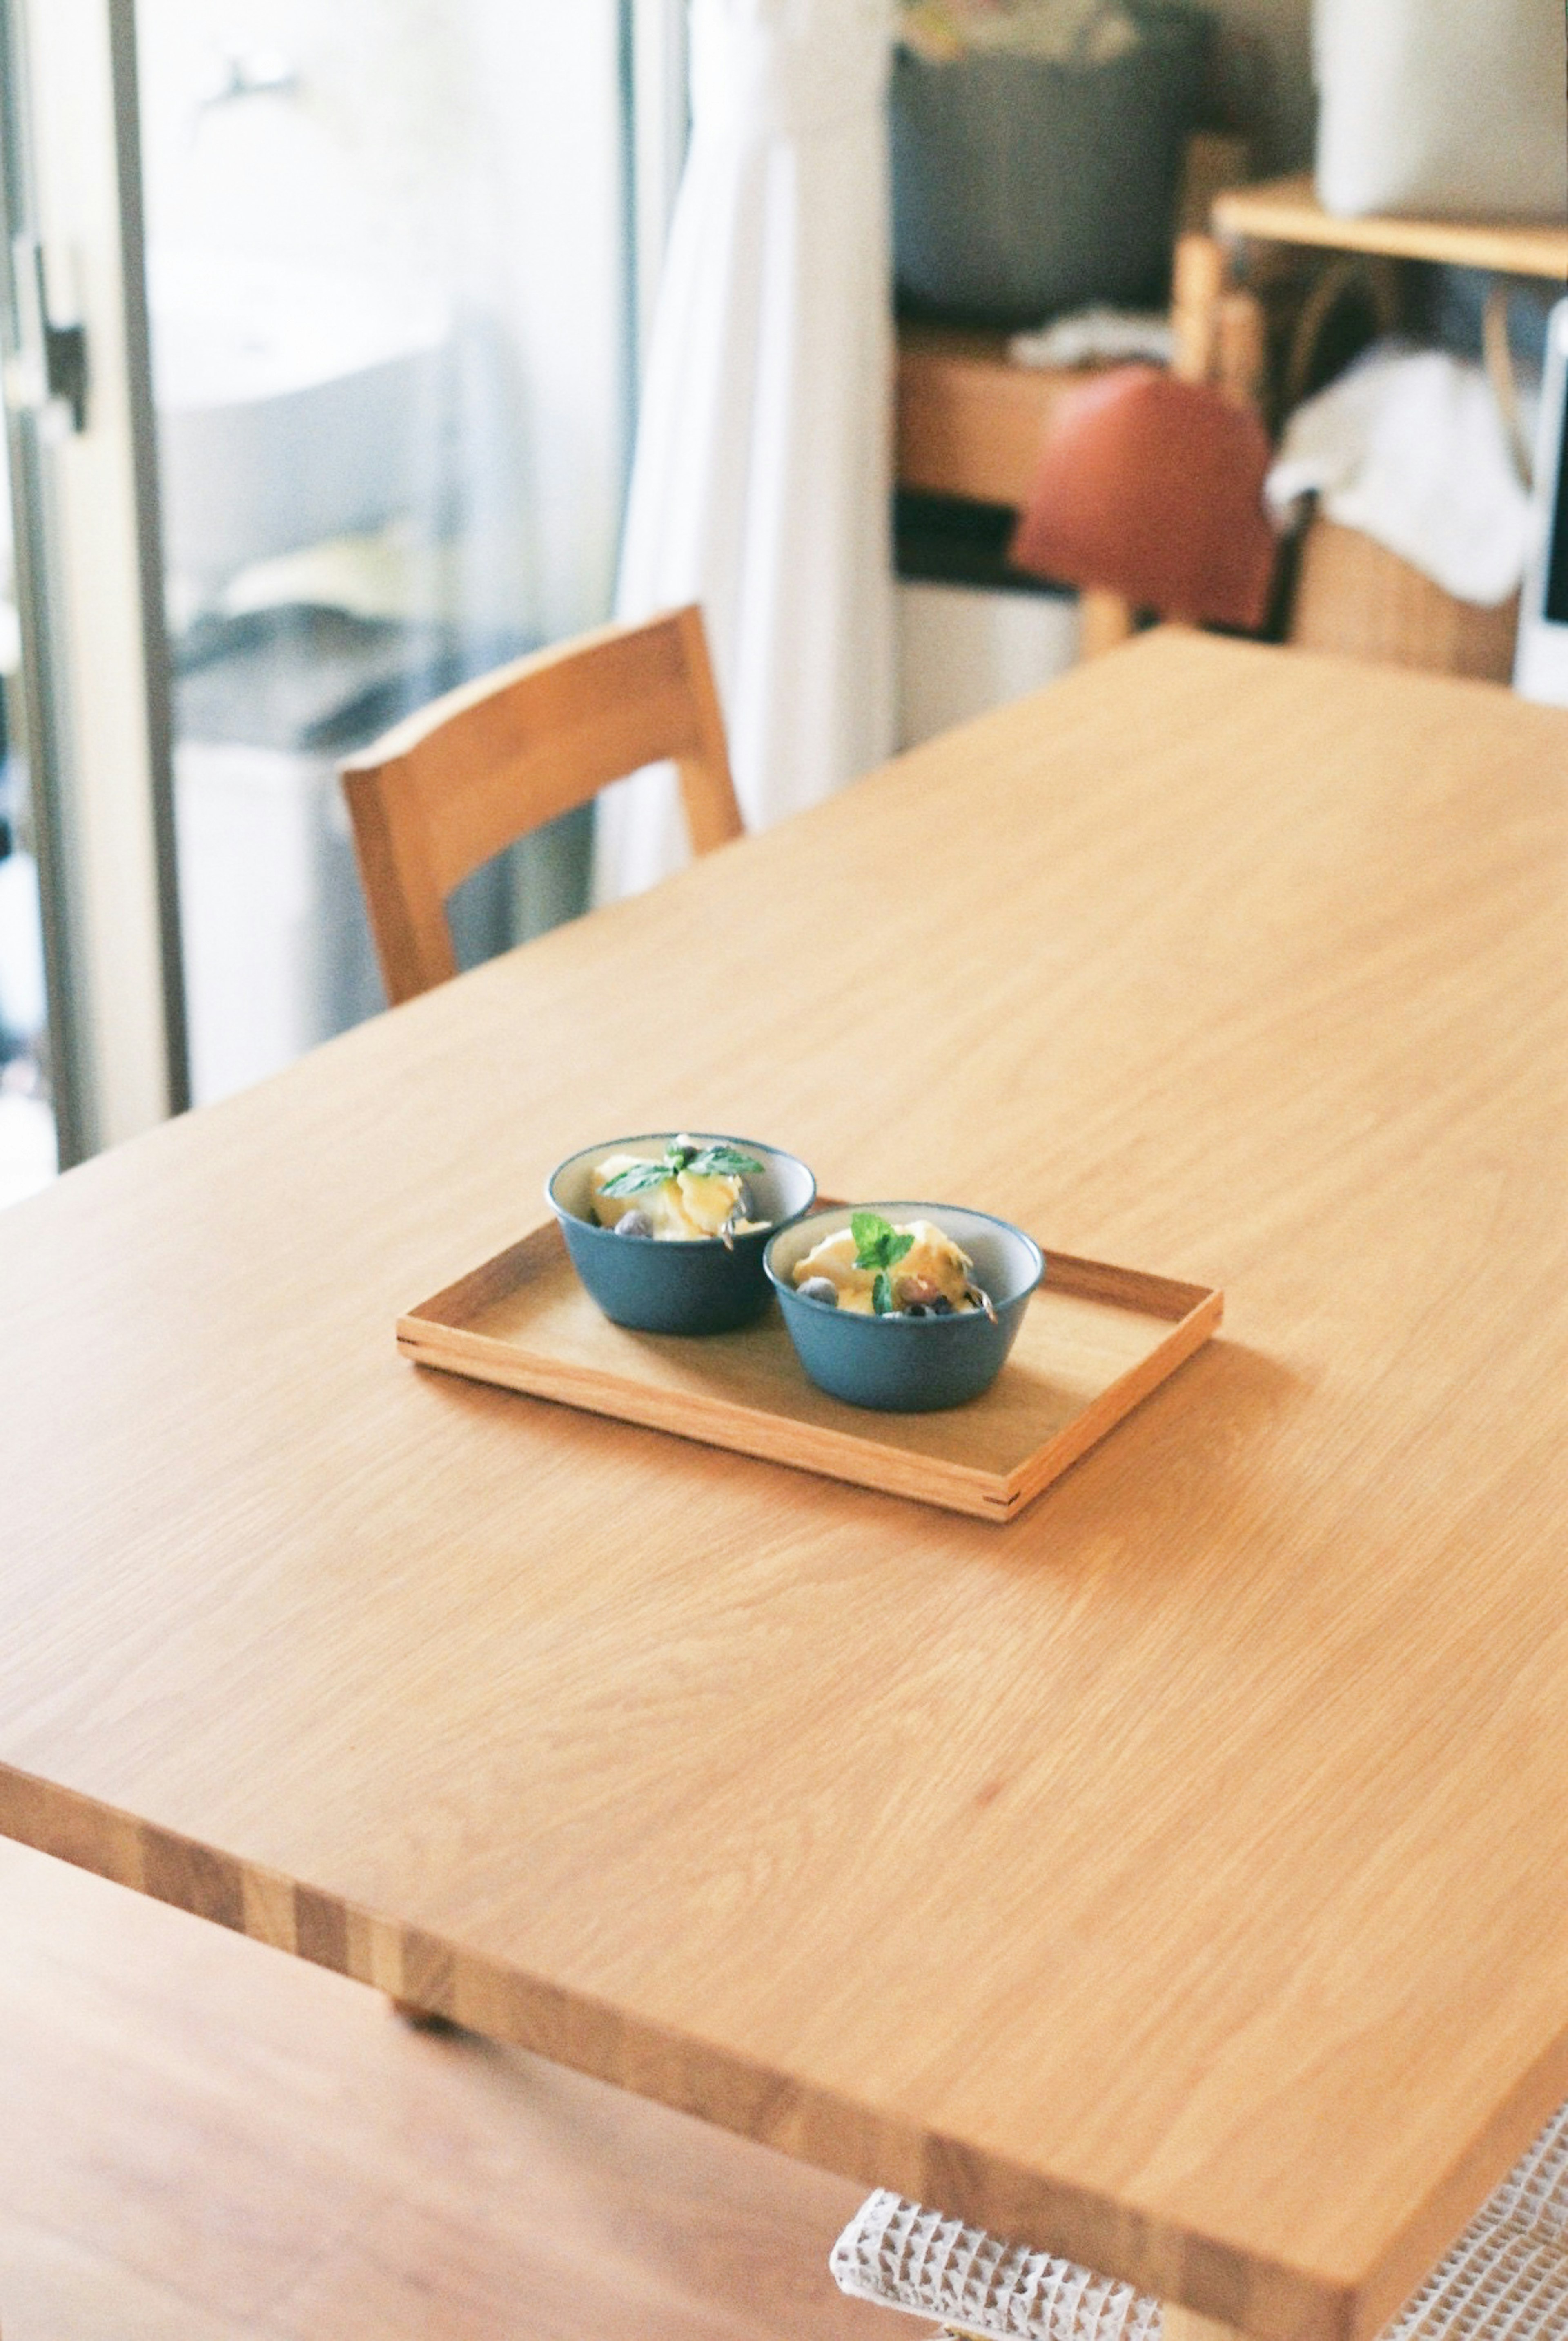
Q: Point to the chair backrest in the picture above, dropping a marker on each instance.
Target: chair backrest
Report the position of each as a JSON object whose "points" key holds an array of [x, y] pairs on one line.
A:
{"points": [[451, 786]]}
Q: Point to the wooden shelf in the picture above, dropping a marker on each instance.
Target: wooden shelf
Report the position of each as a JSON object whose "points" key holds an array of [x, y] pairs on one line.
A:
{"points": [[1287, 211], [969, 421]]}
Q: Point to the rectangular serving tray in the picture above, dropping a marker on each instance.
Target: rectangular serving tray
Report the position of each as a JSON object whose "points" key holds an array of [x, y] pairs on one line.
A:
{"points": [[1094, 1341]]}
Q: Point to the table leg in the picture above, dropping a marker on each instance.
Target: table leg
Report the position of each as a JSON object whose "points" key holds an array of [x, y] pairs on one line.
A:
{"points": [[421, 2019], [1105, 620]]}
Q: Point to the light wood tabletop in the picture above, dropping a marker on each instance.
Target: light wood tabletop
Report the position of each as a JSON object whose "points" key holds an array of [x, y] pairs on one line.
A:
{"points": [[1178, 1876]]}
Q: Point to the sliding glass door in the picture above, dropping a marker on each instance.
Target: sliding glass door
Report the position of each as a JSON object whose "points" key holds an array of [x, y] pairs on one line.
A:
{"points": [[28, 1139], [320, 334], [89, 805], [386, 272]]}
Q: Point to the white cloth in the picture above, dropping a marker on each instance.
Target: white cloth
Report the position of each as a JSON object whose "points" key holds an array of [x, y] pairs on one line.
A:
{"points": [[1096, 336], [1063, 32], [763, 471], [1410, 448]]}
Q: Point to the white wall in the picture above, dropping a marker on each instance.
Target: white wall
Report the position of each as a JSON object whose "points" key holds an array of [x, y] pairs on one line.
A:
{"points": [[963, 649]]}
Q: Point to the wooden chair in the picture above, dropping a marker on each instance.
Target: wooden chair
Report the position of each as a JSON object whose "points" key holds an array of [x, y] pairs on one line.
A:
{"points": [[447, 788]]}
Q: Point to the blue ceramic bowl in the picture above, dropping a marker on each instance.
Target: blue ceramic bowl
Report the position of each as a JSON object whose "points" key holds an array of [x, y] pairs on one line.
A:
{"points": [[703, 1287], [910, 1365]]}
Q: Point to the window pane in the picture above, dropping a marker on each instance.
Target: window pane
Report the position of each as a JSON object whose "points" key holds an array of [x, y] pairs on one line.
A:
{"points": [[387, 275]]}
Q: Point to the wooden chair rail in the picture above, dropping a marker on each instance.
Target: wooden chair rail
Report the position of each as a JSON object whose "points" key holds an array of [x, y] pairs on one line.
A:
{"points": [[453, 784]]}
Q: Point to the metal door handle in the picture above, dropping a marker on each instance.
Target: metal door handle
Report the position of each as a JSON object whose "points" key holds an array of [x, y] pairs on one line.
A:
{"points": [[48, 368]]}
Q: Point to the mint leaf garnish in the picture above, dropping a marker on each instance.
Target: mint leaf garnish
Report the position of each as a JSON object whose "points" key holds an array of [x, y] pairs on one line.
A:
{"points": [[703, 1162], [878, 1244], [882, 1302], [636, 1177], [867, 1228], [723, 1163]]}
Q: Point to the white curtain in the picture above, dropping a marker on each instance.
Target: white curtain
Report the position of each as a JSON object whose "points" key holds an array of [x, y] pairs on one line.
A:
{"points": [[763, 474]]}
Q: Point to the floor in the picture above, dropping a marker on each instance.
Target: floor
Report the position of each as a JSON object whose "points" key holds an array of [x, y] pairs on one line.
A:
{"points": [[201, 2139]]}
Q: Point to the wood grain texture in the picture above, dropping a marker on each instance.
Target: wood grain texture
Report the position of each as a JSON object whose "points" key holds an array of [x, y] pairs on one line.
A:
{"points": [[1287, 211], [202, 2142], [1197, 284], [1177, 1880], [1105, 622], [970, 421], [1094, 1343], [451, 786]]}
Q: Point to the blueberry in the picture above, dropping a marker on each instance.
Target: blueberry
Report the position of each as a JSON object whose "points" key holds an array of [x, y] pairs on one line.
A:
{"points": [[819, 1288], [941, 1305], [919, 1308], [634, 1223]]}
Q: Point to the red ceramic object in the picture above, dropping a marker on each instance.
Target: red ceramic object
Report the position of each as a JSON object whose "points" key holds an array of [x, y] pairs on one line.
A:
{"points": [[1152, 488]]}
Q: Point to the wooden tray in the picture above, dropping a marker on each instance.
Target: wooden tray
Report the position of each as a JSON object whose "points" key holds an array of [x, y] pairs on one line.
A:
{"points": [[1095, 1340]]}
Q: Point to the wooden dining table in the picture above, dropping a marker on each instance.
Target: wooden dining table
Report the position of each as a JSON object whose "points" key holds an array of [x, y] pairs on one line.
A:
{"points": [[1175, 1876]]}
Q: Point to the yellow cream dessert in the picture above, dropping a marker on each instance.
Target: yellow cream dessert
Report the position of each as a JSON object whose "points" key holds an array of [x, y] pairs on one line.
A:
{"points": [[927, 1276], [692, 1193]]}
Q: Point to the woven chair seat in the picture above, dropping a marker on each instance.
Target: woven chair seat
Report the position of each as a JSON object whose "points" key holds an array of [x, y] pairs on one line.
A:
{"points": [[1505, 2280], [906, 2257], [1536, 2192]]}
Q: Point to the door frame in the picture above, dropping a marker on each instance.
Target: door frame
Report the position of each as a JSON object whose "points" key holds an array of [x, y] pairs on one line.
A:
{"points": [[95, 697]]}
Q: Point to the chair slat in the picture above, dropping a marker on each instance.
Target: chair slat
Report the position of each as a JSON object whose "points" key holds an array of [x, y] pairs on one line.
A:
{"points": [[455, 783]]}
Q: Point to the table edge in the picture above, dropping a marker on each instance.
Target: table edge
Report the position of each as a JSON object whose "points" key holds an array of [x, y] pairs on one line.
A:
{"points": [[1271, 2300]]}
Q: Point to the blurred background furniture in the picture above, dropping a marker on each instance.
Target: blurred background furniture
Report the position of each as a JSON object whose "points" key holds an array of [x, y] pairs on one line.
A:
{"points": [[1356, 597], [1287, 210], [1266, 248], [443, 793], [1153, 488], [970, 421], [1271, 296], [1038, 170]]}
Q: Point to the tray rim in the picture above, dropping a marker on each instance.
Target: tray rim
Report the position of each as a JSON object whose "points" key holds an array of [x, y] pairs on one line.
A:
{"points": [[428, 1337]]}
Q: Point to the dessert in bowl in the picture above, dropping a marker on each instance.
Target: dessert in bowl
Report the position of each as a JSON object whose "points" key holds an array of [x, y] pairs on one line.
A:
{"points": [[907, 1306], [667, 1229]]}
